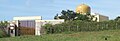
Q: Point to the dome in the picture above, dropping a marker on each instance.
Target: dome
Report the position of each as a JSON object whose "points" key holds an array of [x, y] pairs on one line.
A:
{"points": [[83, 9]]}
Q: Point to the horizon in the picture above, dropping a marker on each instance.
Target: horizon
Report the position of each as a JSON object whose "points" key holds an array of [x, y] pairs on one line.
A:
{"points": [[49, 8]]}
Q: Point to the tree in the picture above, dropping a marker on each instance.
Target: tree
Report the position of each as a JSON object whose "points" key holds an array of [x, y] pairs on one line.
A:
{"points": [[56, 17], [117, 18], [82, 17], [71, 15], [3, 25], [67, 15]]}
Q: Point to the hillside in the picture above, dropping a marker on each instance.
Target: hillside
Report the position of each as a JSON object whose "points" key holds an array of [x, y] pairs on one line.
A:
{"points": [[110, 35]]}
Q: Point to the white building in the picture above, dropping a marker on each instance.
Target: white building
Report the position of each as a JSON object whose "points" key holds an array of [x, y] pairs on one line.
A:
{"points": [[33, 22], [98, 17]]}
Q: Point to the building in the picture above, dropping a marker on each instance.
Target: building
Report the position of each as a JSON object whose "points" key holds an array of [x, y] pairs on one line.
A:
{"points": [[33, 23], [86, 10], [99, 18], [83, 9]]}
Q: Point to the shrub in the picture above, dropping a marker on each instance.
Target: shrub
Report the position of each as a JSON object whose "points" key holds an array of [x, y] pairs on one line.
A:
{"points": [[2, 34], [77, 26]]}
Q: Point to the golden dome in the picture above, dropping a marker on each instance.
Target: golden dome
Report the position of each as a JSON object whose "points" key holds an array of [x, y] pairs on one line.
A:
{"points": [[83, 9]]}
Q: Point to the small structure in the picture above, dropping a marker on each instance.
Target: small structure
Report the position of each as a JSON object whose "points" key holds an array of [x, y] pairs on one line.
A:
{"points": [[98, 17]]}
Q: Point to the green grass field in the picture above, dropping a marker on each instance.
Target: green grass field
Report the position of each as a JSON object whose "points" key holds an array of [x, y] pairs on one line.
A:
{"points": [[111, 35]]}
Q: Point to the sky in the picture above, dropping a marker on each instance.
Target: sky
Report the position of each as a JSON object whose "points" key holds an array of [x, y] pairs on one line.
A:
{"points": [[49, 8]]}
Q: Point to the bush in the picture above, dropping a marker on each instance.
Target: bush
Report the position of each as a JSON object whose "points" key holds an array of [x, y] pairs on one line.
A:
{"points": [[78, 26], [2, 34]]}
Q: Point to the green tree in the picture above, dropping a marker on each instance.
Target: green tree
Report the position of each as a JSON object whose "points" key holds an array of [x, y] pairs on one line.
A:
{"points": [[82, 17], [117, 18], [3, 25], [71, 15], [67, 15]]}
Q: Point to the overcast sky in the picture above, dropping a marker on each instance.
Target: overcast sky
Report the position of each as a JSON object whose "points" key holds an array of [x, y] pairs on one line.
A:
{"points": [[49, 8]]}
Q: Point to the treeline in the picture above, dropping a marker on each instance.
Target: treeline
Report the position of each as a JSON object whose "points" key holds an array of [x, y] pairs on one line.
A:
{"points": [[78, 26]]}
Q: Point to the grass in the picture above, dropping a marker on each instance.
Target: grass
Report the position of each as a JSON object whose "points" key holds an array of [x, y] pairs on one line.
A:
{"points": [[111, 35]]}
